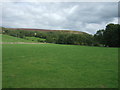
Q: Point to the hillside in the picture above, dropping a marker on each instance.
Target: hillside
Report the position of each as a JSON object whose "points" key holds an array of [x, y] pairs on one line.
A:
{"points": [[48, 30], [7, 38], [52, 36]]}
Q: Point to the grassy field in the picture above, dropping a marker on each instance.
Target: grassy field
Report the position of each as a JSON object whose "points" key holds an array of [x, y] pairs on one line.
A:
{"points": [[59, 66], [0, 65]]}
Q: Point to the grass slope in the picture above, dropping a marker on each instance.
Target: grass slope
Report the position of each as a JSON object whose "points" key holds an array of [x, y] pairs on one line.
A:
{"points": [[7, 38], [59, 66]]}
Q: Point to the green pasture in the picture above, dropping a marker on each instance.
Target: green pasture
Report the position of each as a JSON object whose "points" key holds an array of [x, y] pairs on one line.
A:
{"points": [[59, 66]]}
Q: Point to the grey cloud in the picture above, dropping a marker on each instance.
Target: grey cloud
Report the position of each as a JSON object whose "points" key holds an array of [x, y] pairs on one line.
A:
{"points": [[87, 17]]}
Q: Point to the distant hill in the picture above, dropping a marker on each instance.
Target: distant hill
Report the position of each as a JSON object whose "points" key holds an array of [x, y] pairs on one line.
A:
{"points": [[48, 30]]}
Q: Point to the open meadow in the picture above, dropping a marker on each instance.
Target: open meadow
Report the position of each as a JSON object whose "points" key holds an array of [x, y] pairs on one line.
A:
{"points": [[59, 66]]}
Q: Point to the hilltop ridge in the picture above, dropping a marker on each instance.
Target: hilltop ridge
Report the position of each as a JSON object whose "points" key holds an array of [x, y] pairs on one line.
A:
{"points": [[49, 30]]}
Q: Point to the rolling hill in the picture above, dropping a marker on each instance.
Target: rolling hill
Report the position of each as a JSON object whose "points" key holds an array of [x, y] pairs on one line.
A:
{"points": [[48, 30]]}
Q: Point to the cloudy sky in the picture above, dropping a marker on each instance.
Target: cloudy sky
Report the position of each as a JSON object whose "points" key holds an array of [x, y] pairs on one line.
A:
{"points": [[80, 16]]}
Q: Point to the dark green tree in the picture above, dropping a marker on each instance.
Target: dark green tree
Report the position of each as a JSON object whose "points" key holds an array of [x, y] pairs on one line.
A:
{"points": [[111, 35], [98, 37]]}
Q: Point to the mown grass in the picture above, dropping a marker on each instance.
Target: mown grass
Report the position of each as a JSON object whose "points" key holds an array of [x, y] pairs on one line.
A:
{"points": [[59, 66]]}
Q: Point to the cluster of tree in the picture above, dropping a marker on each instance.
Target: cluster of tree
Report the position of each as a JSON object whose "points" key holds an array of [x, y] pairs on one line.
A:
{"points": [[22, 33], [67, 38], [108, 37]]}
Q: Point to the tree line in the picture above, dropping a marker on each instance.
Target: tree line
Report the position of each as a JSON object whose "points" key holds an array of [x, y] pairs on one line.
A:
{"points": [[105, 37]]}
